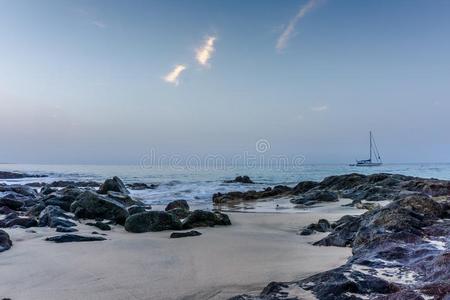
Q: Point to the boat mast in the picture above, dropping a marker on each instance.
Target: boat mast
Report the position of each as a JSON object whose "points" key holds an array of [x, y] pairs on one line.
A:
{"points": [[370, 159]]}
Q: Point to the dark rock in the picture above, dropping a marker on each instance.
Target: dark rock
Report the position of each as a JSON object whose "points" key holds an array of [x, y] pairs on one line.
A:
{"points": [[135, 209], [46, 189], [13, 219], [316, 196], [5, 241], [5, 210], [16, 175], [90, 205], [19, 189], [177, 204], [152, 221], [125, 199], [113, 185], [54, 216], [307, 231], [240, 179], [73, 184], [60, 228], [176, 235], [201, 218], [179, 212], [11, 201], [68, 238], [141, 186], [304, 187], [100, 225]]}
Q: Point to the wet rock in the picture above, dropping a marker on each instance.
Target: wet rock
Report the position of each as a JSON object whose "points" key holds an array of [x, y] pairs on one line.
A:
{"points": [[12, 201], [113, 185], [177, 204], [23, 190], [304, 186], [141, 186], [135, 209], [152, 221], [125, 199], [314, 197], [90, 205], [14, 220], [69, 238], [202, 218], [5, 241], [54, 216], [179, 212], [100, 225], [5, 210], [73, 184], [240, 179], [17, 175], [47, 189], [63, 229], [176, 235]]}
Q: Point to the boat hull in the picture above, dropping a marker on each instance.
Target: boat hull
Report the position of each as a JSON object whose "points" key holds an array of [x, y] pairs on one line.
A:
{"points": [[368, 165]]}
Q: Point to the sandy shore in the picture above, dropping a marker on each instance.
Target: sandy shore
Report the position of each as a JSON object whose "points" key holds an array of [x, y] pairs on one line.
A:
{"points": [[224, 261]]}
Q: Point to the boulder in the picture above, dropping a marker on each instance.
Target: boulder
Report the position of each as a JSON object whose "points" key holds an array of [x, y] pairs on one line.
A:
{"points": [[202, 218], [177, 204], [113, 185], [13, 219], [69, 238], [12, 201], [54, 216], [179, 212], [240, 179], [5, 241], [304, 187], [135, 209], [125, 199], [176, 235], [90, 205], [152, 221], [19, 189], [141, 186], [17, 175]]}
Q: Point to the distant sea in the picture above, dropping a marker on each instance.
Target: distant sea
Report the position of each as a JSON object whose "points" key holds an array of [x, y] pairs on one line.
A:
{"points": [[197, 185]]}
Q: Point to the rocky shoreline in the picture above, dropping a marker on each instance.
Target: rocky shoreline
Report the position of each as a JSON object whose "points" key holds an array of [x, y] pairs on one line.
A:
{"points": [[400, 251], [400, 248], [21, 206]]}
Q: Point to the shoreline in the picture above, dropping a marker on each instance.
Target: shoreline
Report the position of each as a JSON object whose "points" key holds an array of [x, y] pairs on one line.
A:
{"points": [[258, 248]]}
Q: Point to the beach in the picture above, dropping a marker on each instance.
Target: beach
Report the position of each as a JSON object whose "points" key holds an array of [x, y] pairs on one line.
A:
{"points": [[224, 261]]}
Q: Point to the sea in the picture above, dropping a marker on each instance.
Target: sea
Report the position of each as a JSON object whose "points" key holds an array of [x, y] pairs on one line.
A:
{"points": [[197, 185]]}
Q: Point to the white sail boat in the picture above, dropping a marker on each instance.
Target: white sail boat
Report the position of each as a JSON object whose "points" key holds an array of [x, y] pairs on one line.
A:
{"points": [[374, 156]]}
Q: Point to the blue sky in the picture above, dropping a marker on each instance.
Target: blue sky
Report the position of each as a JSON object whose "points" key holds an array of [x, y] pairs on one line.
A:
{"points": [[83, 81]]}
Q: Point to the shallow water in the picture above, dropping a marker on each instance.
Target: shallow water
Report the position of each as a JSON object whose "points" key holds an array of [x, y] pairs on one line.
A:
{"points": [[197, 185]]}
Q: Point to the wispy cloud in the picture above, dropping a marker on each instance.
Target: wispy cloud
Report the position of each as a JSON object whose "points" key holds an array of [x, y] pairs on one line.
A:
{"points": [[99, 24], [172, 76], [319, 108], [204, 53], [283, 39]]}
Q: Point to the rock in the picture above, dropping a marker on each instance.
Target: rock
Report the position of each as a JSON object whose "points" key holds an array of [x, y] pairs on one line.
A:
{"points": [[16, 175], [54, 216], [304, 186], [313, 197], [177, 204], [152, 221], [307, 231], [5, 241], [23, 190], [113, 185], [5, 210], [240, 179], [343, 234], [60, 228], [90, 205], [11, 201], [100, 225], [232, 197], [125, 199], [176, 235], [73, 184], [201, 218], [179, 212], [68, 238], [13, 219], [367, 205], [47, 189], [135, 209], [141, 186]]}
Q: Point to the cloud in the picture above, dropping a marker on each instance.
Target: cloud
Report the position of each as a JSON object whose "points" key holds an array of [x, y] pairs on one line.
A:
{"points": [[172, 76], [204, 53], [99, 24], [319, 108], [289, 30]]}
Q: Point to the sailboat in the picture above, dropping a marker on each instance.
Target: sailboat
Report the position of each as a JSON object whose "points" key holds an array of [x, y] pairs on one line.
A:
{"points": [[374, 156]]}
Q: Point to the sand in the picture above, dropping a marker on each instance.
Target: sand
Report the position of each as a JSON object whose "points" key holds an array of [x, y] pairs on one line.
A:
{"points": [[224, 261]]}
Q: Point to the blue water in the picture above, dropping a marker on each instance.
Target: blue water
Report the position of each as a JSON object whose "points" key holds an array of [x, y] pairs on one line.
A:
{"points": [[197, 185]]}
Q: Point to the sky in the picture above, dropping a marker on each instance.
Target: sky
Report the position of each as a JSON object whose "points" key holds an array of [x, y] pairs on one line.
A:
{"points": [[102, 82]]}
